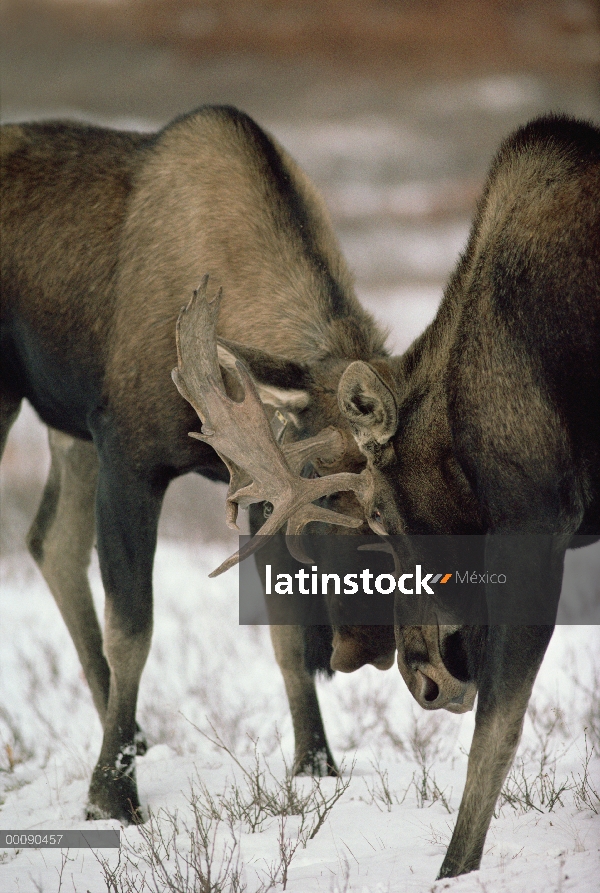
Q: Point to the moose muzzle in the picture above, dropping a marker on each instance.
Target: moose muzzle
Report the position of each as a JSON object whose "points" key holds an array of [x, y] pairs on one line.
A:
{"points": [[422, 668]]}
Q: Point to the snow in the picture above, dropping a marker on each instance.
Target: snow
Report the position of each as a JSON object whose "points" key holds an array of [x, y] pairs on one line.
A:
{"points": [[206, 676], [418, 252]]}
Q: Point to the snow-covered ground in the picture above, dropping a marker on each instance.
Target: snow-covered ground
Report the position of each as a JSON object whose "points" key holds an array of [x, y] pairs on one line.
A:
{"points": [[208, 677]]}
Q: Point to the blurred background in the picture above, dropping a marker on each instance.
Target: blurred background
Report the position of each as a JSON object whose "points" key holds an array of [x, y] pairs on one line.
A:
{"points": [[394, 107]]}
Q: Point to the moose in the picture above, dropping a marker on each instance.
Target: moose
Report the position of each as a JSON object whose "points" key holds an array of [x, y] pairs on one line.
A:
{"points": [[489, 423]]}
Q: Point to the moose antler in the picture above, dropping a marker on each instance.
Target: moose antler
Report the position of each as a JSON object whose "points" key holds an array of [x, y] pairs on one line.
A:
{"points": [[241, 435]]}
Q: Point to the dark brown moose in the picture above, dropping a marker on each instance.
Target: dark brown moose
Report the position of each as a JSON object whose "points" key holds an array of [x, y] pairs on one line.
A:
{"points": [[104, 236], [488, 424]]}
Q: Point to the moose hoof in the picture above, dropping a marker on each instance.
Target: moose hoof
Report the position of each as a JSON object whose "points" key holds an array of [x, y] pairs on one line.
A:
{"points": [[115, 804], [319, 764], [452, 867], [113, 795]]}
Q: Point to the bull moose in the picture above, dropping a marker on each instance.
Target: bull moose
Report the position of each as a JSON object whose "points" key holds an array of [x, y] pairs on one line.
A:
{"points": [[489, 423]]}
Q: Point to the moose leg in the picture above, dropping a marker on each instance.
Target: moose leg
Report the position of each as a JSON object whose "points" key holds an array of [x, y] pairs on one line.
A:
{"points": [[60, 540], [312, 755], [127, 509], [513, 655], [513, 658]]}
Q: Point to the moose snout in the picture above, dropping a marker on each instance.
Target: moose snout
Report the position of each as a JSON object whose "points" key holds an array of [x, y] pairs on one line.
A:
{"points": [[434, 694], [425, 673]]}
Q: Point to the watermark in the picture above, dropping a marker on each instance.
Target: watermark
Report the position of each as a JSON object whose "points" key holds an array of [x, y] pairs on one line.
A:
{"points": [[413, 580], [354, 583], [89, 838]]}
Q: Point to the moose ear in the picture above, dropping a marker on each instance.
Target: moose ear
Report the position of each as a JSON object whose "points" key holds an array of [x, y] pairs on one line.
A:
{"points": [[280, 382], [368, 403]]}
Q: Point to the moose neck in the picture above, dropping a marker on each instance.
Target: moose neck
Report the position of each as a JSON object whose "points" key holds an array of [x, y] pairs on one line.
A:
{"points": [[433, 489]]}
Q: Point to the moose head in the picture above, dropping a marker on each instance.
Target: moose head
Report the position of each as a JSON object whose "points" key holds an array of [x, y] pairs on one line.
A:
{"points": [[216, 381]]}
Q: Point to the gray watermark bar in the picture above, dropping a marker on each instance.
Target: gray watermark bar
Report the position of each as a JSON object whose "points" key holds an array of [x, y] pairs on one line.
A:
{"points": [[102, 840], [414, 580]]}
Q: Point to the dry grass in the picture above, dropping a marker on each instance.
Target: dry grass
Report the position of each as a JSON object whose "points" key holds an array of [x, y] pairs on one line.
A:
{"points": [[536, 782], [425, 744], [585, 795], [176, 854]]}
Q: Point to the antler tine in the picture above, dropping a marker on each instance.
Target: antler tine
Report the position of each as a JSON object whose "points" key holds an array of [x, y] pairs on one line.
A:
{"points": [[195, 339], [241, 435], [302, 492]]}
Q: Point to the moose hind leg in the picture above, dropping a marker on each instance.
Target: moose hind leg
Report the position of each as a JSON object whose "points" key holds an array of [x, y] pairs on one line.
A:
{"points": [[60, 541], [127, 510]]}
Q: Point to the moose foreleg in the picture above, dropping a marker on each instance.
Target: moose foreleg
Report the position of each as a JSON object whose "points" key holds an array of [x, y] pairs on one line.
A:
{"points": [[312, 755], [513, 657], [127, 509]]}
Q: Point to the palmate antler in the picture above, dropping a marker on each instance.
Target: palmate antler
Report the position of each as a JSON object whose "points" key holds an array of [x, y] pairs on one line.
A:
{"points": [[260, 471]]}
